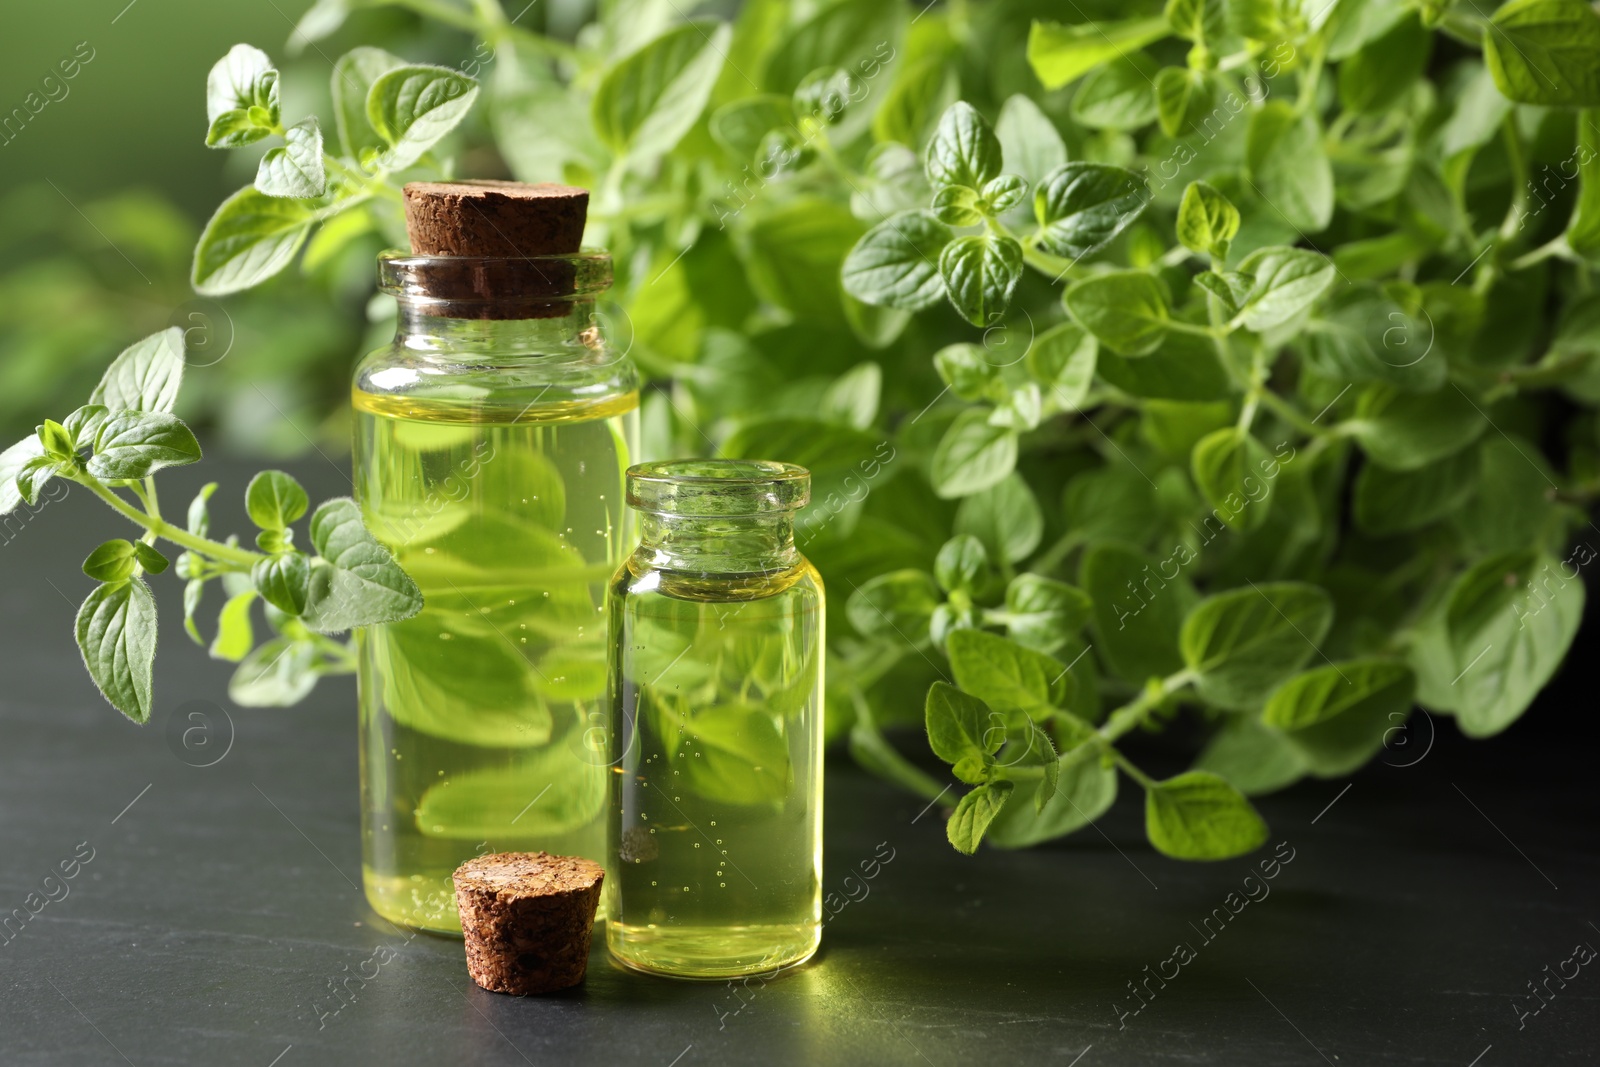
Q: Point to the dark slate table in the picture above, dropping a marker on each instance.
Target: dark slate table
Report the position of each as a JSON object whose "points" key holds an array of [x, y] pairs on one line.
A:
{"points": [[214, 910]]}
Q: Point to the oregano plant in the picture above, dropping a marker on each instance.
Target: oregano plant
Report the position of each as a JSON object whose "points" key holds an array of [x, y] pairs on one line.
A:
{"points": [[1231, 360], [113, 446]]}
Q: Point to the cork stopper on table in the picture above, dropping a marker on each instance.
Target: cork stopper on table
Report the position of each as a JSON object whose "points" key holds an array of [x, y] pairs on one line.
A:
{"points": [[527, 918], [516, 222]]}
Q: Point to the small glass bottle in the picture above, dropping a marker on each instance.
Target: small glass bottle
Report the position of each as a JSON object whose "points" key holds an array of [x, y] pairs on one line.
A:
{"points": [[491, 439], [716, 632]]}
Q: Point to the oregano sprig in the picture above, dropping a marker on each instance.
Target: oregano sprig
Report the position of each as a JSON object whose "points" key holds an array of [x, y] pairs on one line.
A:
{"points": [[114, 446]]}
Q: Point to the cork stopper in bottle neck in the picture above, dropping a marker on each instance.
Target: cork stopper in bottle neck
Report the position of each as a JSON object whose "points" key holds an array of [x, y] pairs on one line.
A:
{"points": [[508, 237]]}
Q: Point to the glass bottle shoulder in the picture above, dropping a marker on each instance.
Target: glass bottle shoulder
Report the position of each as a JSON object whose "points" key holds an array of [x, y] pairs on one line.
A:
{"points": [[799, 585], [568, 381]]}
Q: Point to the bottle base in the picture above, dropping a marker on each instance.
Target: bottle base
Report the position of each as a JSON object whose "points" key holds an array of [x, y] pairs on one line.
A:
{"points": [[418, 903], [711, 953]]}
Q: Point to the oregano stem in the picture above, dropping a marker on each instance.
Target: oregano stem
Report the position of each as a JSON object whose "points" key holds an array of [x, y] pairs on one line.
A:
{"points": [[1290, 414], [1137, 711], [162, 528], [1131, 771]]}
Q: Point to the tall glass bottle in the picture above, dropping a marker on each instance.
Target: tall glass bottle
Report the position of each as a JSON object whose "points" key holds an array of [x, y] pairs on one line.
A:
{"points": [[491, 442], [715, 865]]}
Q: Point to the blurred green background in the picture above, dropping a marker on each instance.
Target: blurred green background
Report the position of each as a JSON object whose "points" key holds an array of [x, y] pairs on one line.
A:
{"points": [[104, 190]]}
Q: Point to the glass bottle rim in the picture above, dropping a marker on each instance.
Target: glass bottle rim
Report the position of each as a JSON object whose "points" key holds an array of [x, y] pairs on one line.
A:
{"points": [[499, 280], [718, 488]]}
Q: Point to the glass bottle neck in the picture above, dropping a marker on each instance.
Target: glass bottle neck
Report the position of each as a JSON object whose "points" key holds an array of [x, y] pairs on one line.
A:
{"points": [[568, 327], [742, 545]]}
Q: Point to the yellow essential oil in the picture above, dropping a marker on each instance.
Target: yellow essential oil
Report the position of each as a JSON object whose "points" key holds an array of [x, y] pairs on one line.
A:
{"points": [[490, 458], [716, 725]]}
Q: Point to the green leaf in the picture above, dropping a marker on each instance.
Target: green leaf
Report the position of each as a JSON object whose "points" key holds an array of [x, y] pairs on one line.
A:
{"points": [[1337, 716], [1082, 206], [1184, 100], [1029, 142], [1117, 96], [1184, 367], [55, 439], [651, 98], [856, 35], [278, 673], [1290, 166], [113, 561], [34, 475], [1003, 193], [199, 518], [273, 500], [1027, 746], [1126, 310], [1138, 610], [296, 169], [193, 591], [1286, 281], [964, 150], [249, 238], [1510, 620], [1242, 643], [1234, 472], [974, 814], [920, 94], [1253, 757], [972, 455], [957, 205], [284, 581], [896, 264], [1199, 816], [852, 398], [823, 96], [84, 423], [742, 125], [1084, 790], [896, 606], [1404, 431], [149, 557], [1111, 504], [980, 273], [1583, 231], [1390, 502], [1363, 335], [133, 444], [235, 633], [970, 371], [1545, 52], [116, 630], [1511, 508], [1378, 75], [962, 731], [146, 376], [1207, 221], [795, 252], [353, 76], [1196, 20], [12, 463], [1010, 680], [1060, 54], [357, 583], [1062, 361], [240, 81], [962, 564], [413, 107], [1005, 517], [1041, 613]]}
